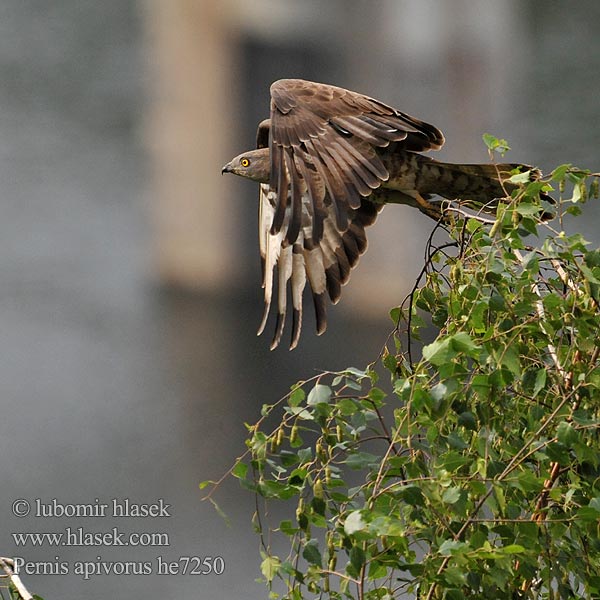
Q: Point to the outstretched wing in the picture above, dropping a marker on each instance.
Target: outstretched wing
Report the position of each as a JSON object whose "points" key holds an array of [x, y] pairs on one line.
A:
{"points": [[325, 265], [326, 136], [313, 213]]}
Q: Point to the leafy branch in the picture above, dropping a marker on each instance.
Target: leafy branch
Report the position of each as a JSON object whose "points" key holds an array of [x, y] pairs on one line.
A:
{"points": [[464, 462]]}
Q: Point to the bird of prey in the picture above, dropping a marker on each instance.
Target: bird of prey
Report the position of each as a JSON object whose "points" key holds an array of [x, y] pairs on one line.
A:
{"points": [[327, 160]]}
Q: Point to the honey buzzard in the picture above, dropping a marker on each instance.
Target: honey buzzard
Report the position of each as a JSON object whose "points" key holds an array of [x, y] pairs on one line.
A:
{"points": [[327, 160]]}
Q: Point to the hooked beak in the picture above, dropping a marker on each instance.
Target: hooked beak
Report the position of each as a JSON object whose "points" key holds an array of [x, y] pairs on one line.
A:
{"points": [[226, 168]]}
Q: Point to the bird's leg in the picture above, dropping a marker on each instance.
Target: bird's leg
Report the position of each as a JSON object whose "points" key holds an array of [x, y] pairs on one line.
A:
{"points": [[389, 196], [430, 209]]}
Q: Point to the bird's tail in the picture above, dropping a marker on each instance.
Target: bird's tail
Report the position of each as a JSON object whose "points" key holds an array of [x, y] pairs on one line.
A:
{"points": [[478, 185]]}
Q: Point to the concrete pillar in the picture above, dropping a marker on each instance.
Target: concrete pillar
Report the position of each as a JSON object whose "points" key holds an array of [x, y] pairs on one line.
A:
{"points": [[188, 132]]}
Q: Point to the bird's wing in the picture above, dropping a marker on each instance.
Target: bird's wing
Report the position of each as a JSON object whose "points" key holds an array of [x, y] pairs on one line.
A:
{"points": [[314, 211], [322, 135], [325, 265], [262, 133]]}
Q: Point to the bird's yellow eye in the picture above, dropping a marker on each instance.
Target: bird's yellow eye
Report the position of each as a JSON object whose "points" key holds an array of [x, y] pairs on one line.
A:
{"points": [[245, 162]]}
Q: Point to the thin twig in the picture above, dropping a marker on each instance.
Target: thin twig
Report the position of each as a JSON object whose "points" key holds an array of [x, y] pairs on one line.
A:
{"points": [[468, 215], [7, 565], [539, 307]]}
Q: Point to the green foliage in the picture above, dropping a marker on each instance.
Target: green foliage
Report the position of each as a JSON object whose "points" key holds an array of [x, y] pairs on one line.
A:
{"points": [[495, 144], [13, 592], [474, 470]]}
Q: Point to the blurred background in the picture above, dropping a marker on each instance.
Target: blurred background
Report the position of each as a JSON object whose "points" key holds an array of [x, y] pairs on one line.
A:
{"points": [[129, 272]]}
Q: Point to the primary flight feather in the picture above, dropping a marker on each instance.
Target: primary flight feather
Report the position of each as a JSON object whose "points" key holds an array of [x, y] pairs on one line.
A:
{"points": [[327, 160]]}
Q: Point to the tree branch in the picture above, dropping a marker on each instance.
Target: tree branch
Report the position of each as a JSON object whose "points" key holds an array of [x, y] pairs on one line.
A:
{"points": [[7, 565]]}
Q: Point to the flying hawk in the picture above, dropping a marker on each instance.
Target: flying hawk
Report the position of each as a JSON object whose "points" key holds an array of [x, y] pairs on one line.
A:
{"points": [[327, 160]]}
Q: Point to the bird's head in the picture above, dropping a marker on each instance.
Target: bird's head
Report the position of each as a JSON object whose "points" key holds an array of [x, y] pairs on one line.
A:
{"points": [[254, 164]]}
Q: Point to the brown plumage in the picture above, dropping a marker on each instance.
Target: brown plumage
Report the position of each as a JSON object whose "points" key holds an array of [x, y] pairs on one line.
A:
{"points": [[327, 160]]}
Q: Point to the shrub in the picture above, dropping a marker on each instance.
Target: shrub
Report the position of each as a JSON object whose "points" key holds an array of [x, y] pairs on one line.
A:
{"points": [[467, 467]]}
